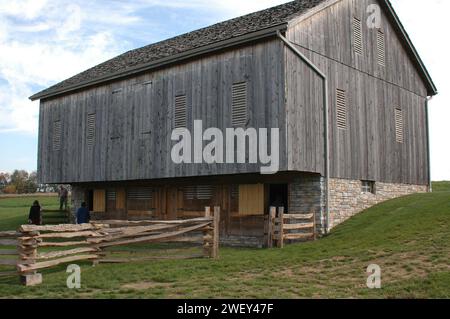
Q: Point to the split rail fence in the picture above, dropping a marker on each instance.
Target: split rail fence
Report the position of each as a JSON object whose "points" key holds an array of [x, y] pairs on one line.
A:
{"points": [[281, 227], [41, 247]]}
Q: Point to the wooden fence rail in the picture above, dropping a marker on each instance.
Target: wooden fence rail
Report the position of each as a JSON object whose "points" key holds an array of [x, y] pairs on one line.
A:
{"points": [[95, 242], [8, 252]]}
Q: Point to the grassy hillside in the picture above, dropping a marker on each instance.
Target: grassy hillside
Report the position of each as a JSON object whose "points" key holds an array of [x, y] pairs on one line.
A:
{"points": [[409, 238], [441, 186]]}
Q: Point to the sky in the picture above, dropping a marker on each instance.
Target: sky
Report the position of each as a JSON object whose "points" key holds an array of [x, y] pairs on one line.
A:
{"points": [[43, 42]]}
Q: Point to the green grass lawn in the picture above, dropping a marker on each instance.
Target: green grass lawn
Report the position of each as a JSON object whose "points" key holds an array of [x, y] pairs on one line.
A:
{"points": [[409, 238], [14, 211]]}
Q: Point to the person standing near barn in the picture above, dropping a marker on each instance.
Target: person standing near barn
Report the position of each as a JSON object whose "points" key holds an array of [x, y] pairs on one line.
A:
{"points": [[35, 216], [63, 195]]}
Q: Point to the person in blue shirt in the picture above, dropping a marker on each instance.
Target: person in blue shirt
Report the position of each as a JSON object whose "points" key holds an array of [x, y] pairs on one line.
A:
{"points": [[83, 214]]}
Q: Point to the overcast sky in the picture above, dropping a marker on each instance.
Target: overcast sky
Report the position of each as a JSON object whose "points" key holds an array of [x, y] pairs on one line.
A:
{"points": [[45, 41]]}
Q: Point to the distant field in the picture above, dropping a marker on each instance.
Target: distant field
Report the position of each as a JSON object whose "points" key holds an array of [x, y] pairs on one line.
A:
{"points": [[409, 238]]}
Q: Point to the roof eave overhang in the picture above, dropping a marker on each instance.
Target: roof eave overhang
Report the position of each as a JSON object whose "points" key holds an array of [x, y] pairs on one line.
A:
{"points": [[243, 39]]}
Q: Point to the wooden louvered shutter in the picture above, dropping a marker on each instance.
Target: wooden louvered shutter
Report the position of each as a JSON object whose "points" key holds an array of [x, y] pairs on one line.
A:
{"points": [[381, 55], [399, 135], [239, 115], [204, 192], [57, 135], [341, 109], [90, 134], [141, 194], [357, 36], [201, 192], [180, 116]]}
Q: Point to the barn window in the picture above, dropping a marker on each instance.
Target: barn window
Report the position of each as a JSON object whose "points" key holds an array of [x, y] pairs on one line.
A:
{"points": [[239, 115], [368, 187], [341, 109], [399, 135], [90, 134], [357, 36], [200, 192], [140, 199], [57, 135], [196, 198], [180, 116], [381, 56]]}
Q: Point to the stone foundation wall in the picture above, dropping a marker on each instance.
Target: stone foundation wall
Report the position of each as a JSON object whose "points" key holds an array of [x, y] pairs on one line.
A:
{"points": [[347, 199], [306, 195], [76, 200]]}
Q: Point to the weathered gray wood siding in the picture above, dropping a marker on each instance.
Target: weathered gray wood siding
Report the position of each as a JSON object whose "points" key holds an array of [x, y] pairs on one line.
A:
{"points": [[134, 117], [367, 150]]}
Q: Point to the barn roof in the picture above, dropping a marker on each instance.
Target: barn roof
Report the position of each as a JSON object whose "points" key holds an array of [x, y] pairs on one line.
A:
{"points": [[225, 34]]}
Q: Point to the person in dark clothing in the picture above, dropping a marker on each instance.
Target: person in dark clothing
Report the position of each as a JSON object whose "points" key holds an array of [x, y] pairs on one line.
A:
{"points": [[63, 195], [83, 214], [35, 217]]}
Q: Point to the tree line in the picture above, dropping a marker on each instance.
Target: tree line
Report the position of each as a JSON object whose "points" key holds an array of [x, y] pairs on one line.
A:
{"points": [[22, 182]]}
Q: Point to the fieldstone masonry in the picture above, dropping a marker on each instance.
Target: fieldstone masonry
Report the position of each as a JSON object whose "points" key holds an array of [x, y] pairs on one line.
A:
{"points": [[306, 195], [77, 199], [347, 199]]}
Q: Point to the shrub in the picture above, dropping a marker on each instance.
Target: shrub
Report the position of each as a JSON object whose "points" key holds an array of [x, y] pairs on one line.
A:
{"points": [[10, 189]]}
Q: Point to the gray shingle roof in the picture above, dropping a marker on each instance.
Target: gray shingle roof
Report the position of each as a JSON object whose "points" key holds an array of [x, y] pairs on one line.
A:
{"points": [[216, 33]]}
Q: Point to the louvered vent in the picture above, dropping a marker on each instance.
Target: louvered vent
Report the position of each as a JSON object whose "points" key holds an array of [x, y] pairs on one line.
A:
{"points": [[180, 111], [239, 104], [111, 195], [235, 191], [381, 55], [57, 135], [357, 36], [190, 192], [202, 192], [399, 136], [341, 109], [140, 193], [90, 134]]}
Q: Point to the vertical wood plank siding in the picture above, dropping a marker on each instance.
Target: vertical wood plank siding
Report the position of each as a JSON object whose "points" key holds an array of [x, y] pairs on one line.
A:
{"points": [[135, 117], [368, 148]]}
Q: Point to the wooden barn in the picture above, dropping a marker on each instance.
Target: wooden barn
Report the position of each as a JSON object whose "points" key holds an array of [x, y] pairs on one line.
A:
{"points": [[340, 79]]}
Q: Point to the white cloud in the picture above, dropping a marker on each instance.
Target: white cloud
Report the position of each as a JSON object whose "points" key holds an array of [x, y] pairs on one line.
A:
{"points": [[41, 43], [45, 41]]}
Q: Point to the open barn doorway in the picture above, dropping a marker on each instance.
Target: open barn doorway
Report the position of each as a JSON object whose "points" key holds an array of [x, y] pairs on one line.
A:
{"points": [[90, 200], [278, 196]]}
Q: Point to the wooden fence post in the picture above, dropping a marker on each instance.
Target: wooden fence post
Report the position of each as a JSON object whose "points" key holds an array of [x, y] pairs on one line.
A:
{"points": [[208, 235], [27, 248], [270, 227], [216, 231], [280, 242], [314, 224]]}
